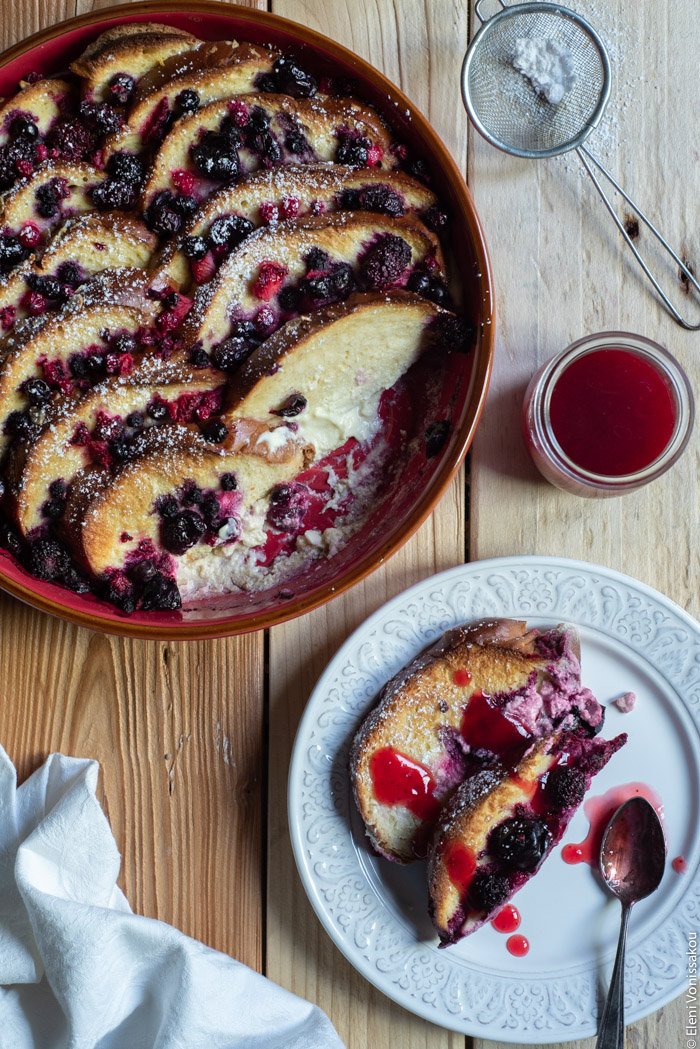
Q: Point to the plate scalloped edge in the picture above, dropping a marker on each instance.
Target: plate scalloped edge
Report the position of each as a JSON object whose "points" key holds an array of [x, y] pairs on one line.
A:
{"points": [[448, 992]]}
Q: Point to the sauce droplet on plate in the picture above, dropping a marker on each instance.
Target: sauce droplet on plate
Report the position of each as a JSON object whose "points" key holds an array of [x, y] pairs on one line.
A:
{"points": [[507, 920], [680, 864], [518, 946]]}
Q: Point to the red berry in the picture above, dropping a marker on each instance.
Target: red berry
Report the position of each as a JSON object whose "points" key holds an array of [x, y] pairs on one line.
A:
{"points": [[290, 207], [8, 316], [317, 207], [239, 113], [325, 85], [125, 537], [270, 277], [30, 235], [168, 320], [203, 269], [33, 302], [269, 213], [374, 155], [183, 180], [264, 319], [24, 167], [41, 151], [399, 150]]}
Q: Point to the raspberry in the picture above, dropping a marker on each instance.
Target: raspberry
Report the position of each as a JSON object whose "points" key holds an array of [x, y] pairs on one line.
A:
{"points": [[270, 277], [168, 320], [30, 235], [290, 207], [24, 167], [239, 113], [269, 213], [33, 303], [183, 180], [374, 155], [399, 150], [8, 316], [264, 320]]}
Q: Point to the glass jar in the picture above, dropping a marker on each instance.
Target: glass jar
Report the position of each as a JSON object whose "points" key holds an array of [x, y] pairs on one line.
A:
{"points": [[593, 409]]}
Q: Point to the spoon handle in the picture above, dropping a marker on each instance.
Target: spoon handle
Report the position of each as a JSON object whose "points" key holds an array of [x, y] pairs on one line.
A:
{"points": [[611, 1033]]}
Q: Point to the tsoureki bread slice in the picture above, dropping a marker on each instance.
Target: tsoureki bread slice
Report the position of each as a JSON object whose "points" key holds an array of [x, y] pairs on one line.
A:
{"points": [[480, 693], [234, 136], [100, 427], [43, 103], [502, 823], [80, 249], [268, 196], [151, 115], [302, 265], [119, 58]]}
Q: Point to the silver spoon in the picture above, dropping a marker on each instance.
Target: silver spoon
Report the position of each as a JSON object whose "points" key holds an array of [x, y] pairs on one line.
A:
{"points": [[632, 860]]}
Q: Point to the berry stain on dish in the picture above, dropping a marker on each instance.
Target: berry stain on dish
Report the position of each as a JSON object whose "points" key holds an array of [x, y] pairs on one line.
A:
{"points": [[598, 812]]}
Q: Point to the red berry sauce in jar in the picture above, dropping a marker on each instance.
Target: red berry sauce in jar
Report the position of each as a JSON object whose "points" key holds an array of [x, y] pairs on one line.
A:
{"points": [[612, 412]]}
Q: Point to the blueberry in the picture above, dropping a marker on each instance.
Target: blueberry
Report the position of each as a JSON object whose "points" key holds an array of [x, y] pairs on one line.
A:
{"points": [[488, 891], [342, 279], [126, 167], [12, 252], [419, 281], [296, 143], [519, 843], [230, 354], [77, 364], [353, 152], [565, 787], [419, 169], [160, 594], [121, 448], [215, 432], [294, 405], [182, 531], [69, 273], [195, 247], [37, 391], [228, 482], [215, 159], [438, 291], [229, 231], [167, 506], [185, 205], [157, 410], [318, 289], [161, 216], [58, 489], [191, 494], [134, 420], [211, 511], [47, 201], [9, 540], [49, 287], [292, 79], [289, 299], [52, 509], [266, 83], [121, 87], [143, 571], [188, 100], [287, 505], [23, 126], [18, 424], [199, 357], [94, 364]]}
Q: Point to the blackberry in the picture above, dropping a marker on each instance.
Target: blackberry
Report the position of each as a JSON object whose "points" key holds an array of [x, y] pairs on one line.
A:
{"points": [[296, 143], [74, 581], [24, 127], [292, 79], [134, 420], [419, 169], [214, 158], [161, 216], [188, 100], [435, 219], [121, 88], [49, 287], [381, 199], [126, 167], [436, 435], [195, 248], [160, 594], [454, 333], [294, 405], [12, 252], [114, 195], [47, 200], [185, 205], [157, 410], [119, 591], [318, 289], [18, 424], [353, 152], [228, 482], [121, 448], [37, 391], [123, 343], [167, 506], [317, 259], [385, 262], [488, 891], [258, 119], [519, 843], [69, 273], [47, 559], [230, 354], [342, 279], [215, 432], [350, 199], [100, 116], [565, 787], [229, 231], [191, 494], [73, 140], [182, 531], [199, 357]]}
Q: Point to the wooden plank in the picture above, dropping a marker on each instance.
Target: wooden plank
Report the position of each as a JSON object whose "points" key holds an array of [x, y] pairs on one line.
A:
{"points": [[402, 39], [560, 273], [177, 729]]}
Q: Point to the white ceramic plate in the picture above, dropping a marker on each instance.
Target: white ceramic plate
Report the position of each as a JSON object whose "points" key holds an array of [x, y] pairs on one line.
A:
{"points": [[632, 638]]}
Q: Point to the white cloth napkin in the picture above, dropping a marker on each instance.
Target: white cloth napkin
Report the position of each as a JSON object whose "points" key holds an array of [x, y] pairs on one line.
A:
{"points": [[79, 971]]}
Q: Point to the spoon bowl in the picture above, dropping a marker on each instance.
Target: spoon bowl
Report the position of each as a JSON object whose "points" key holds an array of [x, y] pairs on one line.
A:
{"points": [[632, 860]]}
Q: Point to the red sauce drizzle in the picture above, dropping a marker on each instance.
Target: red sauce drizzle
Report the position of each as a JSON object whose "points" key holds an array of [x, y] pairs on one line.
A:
{"points": [[462, 678], [461, 864], [484, 725], [598, 812], [518, 946], [399, 780], [612, 412], [507, 920], [680, 864]]}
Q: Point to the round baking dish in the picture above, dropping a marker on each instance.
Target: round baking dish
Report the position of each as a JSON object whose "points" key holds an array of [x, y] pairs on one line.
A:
{"points": [[403, 509]]}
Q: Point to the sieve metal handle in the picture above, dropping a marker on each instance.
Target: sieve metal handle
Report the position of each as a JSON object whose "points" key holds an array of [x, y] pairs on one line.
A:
{"points": [[477, 12], [587, 159]]}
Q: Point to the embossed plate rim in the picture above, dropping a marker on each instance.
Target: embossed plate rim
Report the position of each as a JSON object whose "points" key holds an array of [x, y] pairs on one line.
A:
{"points": [[317, 731]]}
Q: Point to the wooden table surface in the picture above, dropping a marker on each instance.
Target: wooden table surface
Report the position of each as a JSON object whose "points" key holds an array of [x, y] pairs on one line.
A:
{"points": [[194, 738]]}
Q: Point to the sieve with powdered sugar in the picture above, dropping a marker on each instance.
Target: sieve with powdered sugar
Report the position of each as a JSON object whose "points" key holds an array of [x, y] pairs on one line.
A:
{"points": [[535, 82]]}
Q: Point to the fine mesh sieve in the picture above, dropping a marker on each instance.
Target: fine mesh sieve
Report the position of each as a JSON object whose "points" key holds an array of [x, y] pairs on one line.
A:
{"points": [[504, 107]]}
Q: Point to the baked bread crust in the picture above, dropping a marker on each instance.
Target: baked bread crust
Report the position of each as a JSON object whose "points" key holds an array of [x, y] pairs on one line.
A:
{"points": [[134, 49]]}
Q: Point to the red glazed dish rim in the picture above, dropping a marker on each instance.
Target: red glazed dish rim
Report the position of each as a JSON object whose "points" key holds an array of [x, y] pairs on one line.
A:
{"points": [[169, 626]]}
